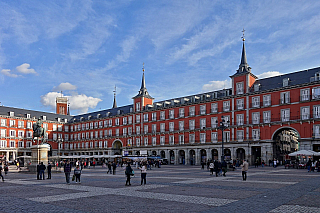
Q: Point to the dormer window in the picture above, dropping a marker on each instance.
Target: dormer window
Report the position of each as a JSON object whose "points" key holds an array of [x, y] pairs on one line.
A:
{"points": [[317, 76], [256, 87], [239, 88], [65, 120], [59, 119], [138, 106], [11, 114], [28, 116], [131, 110], [107, 114], [98, 116], [285, 82], [118, 112], [44, 117]]}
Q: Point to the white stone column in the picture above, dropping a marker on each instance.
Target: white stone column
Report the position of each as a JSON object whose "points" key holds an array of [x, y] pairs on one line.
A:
{"points": [[208, 152], [186, 157], [198, 156], [176, 157]]}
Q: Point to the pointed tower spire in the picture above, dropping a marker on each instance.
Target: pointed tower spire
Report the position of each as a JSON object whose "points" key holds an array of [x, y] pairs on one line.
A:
{"points": [[143, 83], [114, 98], [244, 67]]}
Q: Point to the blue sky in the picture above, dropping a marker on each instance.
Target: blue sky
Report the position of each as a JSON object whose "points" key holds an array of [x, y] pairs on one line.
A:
{"points": [[85, 48]]}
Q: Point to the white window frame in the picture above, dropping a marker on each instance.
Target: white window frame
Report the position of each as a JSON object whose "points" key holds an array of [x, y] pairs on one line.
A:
{"points": [[214, 137], [226, 106], [304, 94], [240, 119], [266, 116], [239, 88], [305, 113], [214, 107], [240, 104], [256, 101]]}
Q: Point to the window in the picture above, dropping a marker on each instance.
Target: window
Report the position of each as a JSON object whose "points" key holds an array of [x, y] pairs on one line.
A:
{"points": [[171, 139], [154, 128], [87, 125], [181, 139], [162, 127], [12, 133], [12, 123], [105, 144], [203, 124], [117, 132], [214, 122], [146, 141], [240, 135], [171, 126], [202, 109], [240, 119], [266, 117], [20, 134], [154, 116], [192, 111], [3, 143], [117, 121], [181, 112], [138, 130], [267, 100], [316, 131], [137, 141], [110, 132], [124, 120], [162, 115], [110, 123], [20, 124], [285, 82], [256, 101], [285, 115], [130, 119], [145, 129], [4, 122], [191, 138], [255, 134], [214, 107], [226, 136], [171, 114], [214, 137], [137, 118], [305, 112], [226, 106], [138, 106], [316, 93], [124, 131], [202, 137], [145, 117], [29, 125], [316, 111], [285, 98], [240, 104], [100, 124], [154, 141], [181, 125], [20, 144], [256, 87], [191, 124], [304, 95], [12, 144], [239, 88], [129, 130], [162, 140], [255, 117]]}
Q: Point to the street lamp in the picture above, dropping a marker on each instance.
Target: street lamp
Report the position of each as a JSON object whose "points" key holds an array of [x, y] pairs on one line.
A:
{"points": [[59, 140], [223, 125]]}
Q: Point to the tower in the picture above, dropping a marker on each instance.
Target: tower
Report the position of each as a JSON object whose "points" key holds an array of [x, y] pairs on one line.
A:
{"points": [[62, 105], [143, 98], [114, 98]]}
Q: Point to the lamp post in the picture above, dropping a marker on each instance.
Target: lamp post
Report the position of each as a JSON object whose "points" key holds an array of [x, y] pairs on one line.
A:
{"points": [[59, 140], [223, 125]]}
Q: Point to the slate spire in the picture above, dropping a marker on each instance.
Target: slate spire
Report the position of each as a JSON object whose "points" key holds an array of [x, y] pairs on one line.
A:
{"points": [[114, 98], [244, 66], [143, 92]]}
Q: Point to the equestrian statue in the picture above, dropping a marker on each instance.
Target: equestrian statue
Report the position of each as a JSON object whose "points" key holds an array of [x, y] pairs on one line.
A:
{"points": [[39, 131]]}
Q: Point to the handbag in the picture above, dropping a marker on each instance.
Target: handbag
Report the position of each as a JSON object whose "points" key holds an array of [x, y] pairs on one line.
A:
{"points": [[132, 173], [73, 177]]}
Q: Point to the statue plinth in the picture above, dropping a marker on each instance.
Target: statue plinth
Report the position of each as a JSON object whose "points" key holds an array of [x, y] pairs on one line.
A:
{"points": [[39, 154]]}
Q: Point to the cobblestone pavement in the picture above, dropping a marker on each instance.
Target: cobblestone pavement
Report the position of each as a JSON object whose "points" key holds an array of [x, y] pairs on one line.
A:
{"points": [[168, 189]]}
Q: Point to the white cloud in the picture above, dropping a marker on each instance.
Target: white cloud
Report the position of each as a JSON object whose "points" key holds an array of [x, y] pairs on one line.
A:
{"points": [[269, 74], [78, 102], [24, 68], [7, 72], [216, 85], [64, 87]]}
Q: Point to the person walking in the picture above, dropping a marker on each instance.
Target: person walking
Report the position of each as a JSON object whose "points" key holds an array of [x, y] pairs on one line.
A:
{"points": [[67, 171], [216, 167], [114, 167], [38, 172], [77, 173], [41, 172], [245, 167], [128, 173], [143, 173], [211, 166], [49, 167], [224, 167], [1, 174], [109, 168], [6, 169]]}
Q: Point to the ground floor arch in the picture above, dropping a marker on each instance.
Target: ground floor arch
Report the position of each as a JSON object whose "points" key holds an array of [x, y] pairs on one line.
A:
{"points": [[227, 154], [203, 155], [182, 157], [192, 157], [117, 147], [240, 154], [162, 154], [172, 158], [214, 154]]}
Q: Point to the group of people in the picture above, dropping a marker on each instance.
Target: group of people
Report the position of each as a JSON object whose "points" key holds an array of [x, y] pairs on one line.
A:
{"points": [[130, 172], [220, 168], [41, 169]]}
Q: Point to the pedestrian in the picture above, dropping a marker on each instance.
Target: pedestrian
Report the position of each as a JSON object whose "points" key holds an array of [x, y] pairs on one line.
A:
{"points": [[109, 168], [220, 168], [274, 163], [38, 172], [143, 173], [313, 166], [49, 167], [67, 171], [262, 163], [77, 173], [114, 167], [216, 167], [309, 165], [128, 173], [245, 167], [224, 167], [202, 165], [42, 168], [1, 174], [6, 169], [211, 166]]}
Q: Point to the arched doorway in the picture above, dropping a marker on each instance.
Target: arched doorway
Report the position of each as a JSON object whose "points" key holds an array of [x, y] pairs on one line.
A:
{"points": [[192, 157], [154, 153], [227, 154], [117, 147], [285, 141], [171, 160], [214, 154], [163, 154], [241, 154], [181, 157], [203, 155]]}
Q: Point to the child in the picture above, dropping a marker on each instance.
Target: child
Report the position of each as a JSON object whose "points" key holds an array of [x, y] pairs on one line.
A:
{"points": [[77, 173]]}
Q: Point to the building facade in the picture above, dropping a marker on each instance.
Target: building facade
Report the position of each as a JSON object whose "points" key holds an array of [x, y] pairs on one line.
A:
{"points": [[264, 118]]}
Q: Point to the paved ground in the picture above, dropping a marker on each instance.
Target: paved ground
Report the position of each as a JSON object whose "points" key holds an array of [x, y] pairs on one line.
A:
{"points": [[168, 189]]}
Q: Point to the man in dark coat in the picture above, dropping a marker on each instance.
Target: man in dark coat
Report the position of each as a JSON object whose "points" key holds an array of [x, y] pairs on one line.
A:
{"points": [[38, 172], [49, 170], [42, 168]]}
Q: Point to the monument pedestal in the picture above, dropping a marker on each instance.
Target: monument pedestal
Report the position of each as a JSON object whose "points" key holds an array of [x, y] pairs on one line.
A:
{"points": [[39, 154]]}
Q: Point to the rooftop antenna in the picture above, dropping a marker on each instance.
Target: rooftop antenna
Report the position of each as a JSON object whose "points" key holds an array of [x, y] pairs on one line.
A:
{"points": [[243, 37]]}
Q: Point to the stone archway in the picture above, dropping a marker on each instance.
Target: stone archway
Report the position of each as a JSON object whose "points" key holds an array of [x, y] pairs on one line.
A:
{"points": [[241, 154], [203, 155], [154, 153], [163, 154], [227, 154], [192, 157], [171, 154], [215, 155], [182, 157], [117, 147], [285, 141]]}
